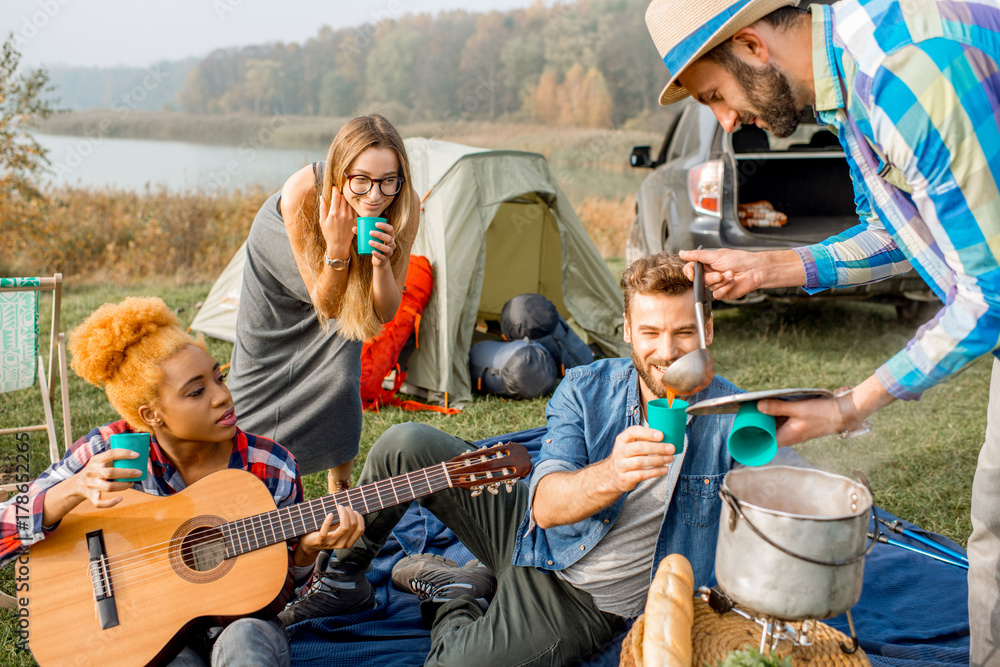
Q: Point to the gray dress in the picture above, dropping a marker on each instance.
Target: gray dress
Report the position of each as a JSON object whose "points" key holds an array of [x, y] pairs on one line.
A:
{"points": [[291, 382]]}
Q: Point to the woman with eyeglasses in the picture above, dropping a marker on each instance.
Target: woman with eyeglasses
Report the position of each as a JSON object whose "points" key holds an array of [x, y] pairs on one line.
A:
{"points": [[309, 299]]}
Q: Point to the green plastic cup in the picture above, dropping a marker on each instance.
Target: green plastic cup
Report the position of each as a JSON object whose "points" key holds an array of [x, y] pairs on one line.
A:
{"points": [[135, 442], [365, 228], [752, 441], [671, 421]]}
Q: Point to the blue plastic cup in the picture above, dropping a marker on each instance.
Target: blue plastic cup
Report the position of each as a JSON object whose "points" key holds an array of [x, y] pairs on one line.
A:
{"points": [[752, 441], [365, 228], [134, 442], [671, 421]]}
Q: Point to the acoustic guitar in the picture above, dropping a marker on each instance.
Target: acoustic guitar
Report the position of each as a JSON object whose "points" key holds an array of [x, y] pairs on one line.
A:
{"points": [[121, 586]]}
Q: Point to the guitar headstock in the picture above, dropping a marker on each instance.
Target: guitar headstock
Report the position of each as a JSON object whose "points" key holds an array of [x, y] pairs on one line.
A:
{"points": [[488, 467]]}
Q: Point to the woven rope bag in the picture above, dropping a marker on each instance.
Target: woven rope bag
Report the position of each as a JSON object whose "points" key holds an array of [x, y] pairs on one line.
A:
{"points": [[715, 635]]}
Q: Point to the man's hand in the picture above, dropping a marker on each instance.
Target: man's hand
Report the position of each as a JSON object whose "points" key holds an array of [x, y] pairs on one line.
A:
{"points": [[731, 274], [799, 421], [639, 454], [562, 498]]}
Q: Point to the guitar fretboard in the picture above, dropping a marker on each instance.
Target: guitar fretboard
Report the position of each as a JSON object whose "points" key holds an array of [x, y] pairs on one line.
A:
{"points": [[262, 530]]}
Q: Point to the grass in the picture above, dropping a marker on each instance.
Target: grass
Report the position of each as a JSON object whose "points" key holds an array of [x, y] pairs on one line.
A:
{"points": [[920, 457]]}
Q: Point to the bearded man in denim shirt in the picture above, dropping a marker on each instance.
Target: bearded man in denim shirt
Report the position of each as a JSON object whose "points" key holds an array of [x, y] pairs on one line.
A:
{"points": [[574, 552]]}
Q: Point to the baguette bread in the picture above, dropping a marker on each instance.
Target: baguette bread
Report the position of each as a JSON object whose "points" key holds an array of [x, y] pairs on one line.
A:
{"points": [[666, 637], [632, 644]]}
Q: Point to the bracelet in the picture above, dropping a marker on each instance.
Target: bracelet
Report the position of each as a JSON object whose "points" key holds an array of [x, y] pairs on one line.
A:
{"points": [[337, 264], [853, 424]]}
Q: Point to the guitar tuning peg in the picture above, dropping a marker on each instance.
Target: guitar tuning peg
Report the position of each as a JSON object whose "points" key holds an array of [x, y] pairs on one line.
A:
{"points": [[476, 490], [510, 485], [494, 488]]}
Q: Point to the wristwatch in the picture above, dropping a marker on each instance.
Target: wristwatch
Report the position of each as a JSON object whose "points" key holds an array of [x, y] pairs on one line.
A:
{"points": [[853, 424], [337, 264]]}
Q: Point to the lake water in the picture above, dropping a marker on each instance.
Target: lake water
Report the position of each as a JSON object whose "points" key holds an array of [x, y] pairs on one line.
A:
{"points": [[134, 164]]}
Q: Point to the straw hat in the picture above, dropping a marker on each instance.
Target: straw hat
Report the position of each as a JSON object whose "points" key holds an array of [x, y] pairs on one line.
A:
{"points": [[684, 31]]}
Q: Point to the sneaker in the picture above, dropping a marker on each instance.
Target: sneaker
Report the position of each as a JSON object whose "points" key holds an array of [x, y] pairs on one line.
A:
{"points": [[338, 588], [433, 577]]}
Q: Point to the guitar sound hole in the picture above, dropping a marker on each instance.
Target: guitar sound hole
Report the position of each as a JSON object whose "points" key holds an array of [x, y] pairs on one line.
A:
{"points": [[203, 549]]}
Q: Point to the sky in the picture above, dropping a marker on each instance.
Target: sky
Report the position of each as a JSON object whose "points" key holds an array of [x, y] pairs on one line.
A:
{"points": [[138, 33]]}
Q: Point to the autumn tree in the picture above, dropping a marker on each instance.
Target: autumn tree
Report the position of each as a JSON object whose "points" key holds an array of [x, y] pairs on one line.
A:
{"points": [[22, 158], [546, 98], [596, 106]]}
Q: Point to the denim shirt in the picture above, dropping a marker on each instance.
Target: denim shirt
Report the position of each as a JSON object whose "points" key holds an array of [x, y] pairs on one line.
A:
{"points": [[591, 406]]}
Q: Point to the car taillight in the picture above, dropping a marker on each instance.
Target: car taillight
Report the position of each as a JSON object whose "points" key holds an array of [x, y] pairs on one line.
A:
{"points": [[705, 187]]}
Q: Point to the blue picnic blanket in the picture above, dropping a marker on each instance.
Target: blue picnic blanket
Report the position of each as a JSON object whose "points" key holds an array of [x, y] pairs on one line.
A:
{"points": [[913, 609]]}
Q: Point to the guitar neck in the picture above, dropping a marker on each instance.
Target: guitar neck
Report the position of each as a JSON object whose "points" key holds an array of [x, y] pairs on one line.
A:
{"points": [[262, 530]]}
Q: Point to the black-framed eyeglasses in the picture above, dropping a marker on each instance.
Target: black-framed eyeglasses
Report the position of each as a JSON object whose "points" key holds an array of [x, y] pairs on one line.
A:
{"points": [[362, 185]]}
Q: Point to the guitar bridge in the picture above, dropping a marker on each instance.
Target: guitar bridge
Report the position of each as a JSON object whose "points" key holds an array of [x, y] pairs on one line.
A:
{"points": [[100, 578]]}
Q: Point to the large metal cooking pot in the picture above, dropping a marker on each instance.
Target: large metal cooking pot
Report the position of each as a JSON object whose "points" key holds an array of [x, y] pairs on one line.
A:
{"points": [[792, 541]]}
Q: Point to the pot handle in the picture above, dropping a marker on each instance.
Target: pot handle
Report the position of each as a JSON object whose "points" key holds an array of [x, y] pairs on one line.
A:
{"points": [[734, 505]]}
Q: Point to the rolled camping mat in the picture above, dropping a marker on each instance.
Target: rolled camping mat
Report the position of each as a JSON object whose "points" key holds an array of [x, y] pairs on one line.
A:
{"points": [[714, 636]]}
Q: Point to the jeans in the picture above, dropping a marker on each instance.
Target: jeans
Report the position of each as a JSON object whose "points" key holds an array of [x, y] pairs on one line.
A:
{"points": [[984, 544], [248, 642], [535, 618]]}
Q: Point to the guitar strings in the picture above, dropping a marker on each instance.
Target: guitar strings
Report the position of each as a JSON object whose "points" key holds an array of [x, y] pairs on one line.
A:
{"points": [[125, 568], [271, 516]]}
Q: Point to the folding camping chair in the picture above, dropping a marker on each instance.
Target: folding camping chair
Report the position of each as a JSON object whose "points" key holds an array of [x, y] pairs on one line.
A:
{"points": [[21, 364]]}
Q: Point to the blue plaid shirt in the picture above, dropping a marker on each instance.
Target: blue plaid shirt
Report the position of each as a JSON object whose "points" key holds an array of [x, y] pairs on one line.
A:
{"points": [[21, 526], [920, 129]]}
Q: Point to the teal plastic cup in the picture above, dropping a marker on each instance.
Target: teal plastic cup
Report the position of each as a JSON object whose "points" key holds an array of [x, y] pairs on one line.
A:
{"points": [[135, 442], [671, 421], [365, 228], [752, 441]]}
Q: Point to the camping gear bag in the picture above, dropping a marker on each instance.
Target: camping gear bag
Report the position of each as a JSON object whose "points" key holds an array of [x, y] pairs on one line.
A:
{"points": [[391, 348], [516, 369], [533, 317]]}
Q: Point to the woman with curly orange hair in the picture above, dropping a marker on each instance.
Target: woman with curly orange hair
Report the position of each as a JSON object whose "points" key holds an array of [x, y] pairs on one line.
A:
{"points": [[163, 382]]}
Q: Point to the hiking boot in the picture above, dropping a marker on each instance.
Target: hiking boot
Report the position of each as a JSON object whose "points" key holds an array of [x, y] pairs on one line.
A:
{"points": [[338, 588], [435, 578]]}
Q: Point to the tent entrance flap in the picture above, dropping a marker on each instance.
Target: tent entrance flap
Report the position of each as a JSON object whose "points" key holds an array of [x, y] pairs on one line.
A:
{"points": [[523, 256]]}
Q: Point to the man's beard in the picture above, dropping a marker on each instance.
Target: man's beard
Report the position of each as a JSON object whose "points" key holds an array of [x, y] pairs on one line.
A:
{"points": [[645, 372], [770, 94]]}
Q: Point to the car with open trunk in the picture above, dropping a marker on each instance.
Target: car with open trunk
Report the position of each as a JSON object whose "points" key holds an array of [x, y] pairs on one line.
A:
{"points": [[703, 177]]}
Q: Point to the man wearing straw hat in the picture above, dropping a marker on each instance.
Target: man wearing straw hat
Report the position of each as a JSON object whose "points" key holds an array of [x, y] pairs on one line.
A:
{"points": [[911, 87]]}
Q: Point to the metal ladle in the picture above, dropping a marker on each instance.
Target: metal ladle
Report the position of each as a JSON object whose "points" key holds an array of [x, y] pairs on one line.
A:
{"points": [[695, 370]]}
